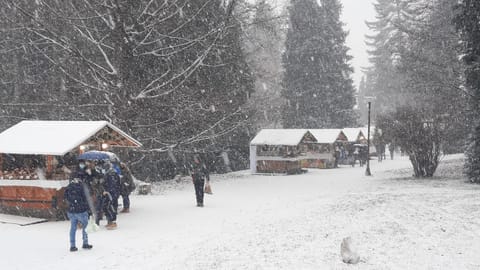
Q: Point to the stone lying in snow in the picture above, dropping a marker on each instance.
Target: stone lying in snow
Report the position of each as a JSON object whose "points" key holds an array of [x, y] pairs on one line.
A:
{"points": [[347, 250]]}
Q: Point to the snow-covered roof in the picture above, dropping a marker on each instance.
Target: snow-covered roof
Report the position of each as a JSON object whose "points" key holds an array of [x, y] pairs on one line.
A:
{"points": [[289, 137], [52, 137], [365, 131], [352, 133], [326, 135]]}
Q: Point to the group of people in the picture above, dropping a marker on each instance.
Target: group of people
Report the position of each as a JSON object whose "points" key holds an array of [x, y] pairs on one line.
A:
{"points": [[94, 190], [348, 155]]}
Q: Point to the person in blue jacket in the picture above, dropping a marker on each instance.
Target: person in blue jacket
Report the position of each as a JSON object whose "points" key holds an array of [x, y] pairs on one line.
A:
{"points": [[76, 197]]}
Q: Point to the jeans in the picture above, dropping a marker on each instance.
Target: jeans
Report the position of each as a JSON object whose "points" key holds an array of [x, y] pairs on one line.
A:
{"points": [[76, 218]]}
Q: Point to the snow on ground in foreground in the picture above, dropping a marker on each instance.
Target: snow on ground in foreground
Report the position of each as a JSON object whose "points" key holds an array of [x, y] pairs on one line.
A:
{"points": [[277, 222]]}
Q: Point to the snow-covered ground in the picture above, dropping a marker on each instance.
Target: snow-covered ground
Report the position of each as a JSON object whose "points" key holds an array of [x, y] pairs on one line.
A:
{"points": [[277, 222]]}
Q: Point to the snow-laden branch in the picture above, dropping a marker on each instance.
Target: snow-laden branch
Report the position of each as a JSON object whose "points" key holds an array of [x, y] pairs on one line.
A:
{"points": [[53, 105], [147, 92], [66, 73], [206, 134], [153, 19], [186, 74], [88, 35]]}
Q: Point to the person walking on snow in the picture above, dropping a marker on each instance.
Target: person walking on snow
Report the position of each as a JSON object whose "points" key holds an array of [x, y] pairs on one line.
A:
{"points": [[76, 197], [391, 148], [199, 173], [126, 187]]}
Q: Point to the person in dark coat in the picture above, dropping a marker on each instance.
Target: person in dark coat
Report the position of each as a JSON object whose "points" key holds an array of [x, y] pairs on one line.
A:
{"points": [[199, 173], [110, 194], [76, 197], [126, 186], [85, 175], [97, 189], [391, 148]]}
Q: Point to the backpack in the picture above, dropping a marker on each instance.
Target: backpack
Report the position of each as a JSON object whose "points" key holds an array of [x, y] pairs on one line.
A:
{"points": [[75, 196]]}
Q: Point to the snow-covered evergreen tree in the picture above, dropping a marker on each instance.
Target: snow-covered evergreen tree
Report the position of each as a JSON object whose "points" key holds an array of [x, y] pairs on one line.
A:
{"points": [[414, 57], [317, 83], [387, 45], [468, 24], [264, 42]]}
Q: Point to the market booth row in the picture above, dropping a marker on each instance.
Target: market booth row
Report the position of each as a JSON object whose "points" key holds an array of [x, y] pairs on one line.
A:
{"points": [[279, 150], [37, 158], [290, 150]]}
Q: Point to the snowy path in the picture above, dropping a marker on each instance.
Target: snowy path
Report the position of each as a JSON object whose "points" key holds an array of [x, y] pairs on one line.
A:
{"points": [[277, 222]]}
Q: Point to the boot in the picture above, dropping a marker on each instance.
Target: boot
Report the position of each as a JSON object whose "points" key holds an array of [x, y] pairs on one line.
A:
{"points": [[72, 249], [125, 210], [111, 225], [87, 246]]}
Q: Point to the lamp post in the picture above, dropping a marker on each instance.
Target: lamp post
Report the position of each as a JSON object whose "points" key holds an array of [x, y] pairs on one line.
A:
{"points": [[367, 171]]}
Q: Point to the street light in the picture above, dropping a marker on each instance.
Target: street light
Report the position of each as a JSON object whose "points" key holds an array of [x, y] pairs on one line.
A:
{"points": [[367, 171]]}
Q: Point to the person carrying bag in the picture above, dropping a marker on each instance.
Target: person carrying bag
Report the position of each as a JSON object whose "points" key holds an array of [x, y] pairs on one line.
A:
{"points": [[199, 173]]}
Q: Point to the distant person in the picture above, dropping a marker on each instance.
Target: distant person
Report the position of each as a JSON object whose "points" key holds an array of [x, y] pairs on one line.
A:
{"points": [[391, 148], [127, 185], [363, 155], [336, 156], [76, 197], [356, 156], [199, 173]]}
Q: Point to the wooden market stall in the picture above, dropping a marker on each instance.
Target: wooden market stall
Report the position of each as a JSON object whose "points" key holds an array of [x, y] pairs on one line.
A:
{"points": [[357, 145], [279, 150], [327, 149], [37, 158], [355, 135]]}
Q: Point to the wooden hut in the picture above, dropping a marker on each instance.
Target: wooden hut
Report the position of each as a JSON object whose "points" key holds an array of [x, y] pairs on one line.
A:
{"points": [[279, 150], [365, 132], [355, 135], [37, 157], [322, 154]]}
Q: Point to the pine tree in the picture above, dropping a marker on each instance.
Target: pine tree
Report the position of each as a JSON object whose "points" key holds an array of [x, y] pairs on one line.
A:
{"points": [[433, 72], [468, 25], [388, 42], [317, 83], [264, 42], [415, 63], [340, 71]]}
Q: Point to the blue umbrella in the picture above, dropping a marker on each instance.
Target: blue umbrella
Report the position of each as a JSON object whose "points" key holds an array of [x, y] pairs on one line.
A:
{"points": [[99, 155]]}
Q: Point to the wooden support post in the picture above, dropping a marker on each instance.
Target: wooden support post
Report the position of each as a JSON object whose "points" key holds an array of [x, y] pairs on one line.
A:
{"points": [[50, 166], [1, 164]]}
